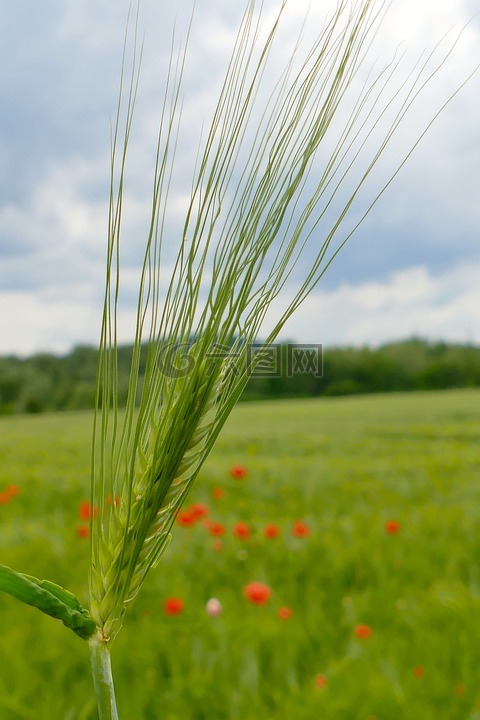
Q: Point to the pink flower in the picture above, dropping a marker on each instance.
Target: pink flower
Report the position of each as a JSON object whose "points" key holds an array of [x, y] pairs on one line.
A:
{"points": [[214, 607]]}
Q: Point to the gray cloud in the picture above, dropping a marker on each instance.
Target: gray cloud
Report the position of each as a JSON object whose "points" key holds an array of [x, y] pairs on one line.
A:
{"points": [[59, 88]]}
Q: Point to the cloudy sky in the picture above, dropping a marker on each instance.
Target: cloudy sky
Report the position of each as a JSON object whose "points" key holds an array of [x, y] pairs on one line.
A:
{"points": [[413, 267]]}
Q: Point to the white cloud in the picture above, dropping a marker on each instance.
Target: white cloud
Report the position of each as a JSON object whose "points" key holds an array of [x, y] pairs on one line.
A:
{"points": [[411, 302], [48, 322], [36, 323]]}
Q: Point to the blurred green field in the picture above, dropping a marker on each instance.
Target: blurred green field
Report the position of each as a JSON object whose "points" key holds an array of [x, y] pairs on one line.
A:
{"points": [[345, 467]]}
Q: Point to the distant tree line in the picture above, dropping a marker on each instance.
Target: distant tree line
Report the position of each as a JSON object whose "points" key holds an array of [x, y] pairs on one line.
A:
{"points": [[46, 382]]}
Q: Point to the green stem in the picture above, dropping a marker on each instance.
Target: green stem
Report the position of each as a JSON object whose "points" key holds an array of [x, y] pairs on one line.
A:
{"points": [[102, 678]]}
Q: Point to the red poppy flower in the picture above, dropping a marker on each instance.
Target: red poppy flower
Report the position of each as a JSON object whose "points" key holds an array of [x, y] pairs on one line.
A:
{"points": [[321, 681], [185, 518], [418, 671], [84, 511], [392, 527], [218, 493], [300, 529], [238, 472], [241, 530], [216, 529], [363, 632], [217, 545], [271, 531], [285, 613], [199, 510], [83, 531], [5, 498], [13, 490], [258, 593], [173, 606]]}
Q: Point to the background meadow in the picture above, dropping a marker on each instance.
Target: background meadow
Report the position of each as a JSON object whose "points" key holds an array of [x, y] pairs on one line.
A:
{"points": [[359, 515]]}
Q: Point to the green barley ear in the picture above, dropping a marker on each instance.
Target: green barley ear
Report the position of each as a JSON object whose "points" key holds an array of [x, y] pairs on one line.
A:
{"points": [[264, 188]]}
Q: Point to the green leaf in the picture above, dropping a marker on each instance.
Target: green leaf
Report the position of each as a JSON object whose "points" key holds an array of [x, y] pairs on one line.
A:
{"points": [[48, 597]]}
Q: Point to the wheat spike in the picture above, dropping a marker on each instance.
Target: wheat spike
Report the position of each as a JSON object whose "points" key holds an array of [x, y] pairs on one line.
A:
{"points": [[260, 208]]}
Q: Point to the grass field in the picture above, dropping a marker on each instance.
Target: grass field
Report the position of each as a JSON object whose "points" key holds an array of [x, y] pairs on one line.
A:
{"points": [[382, 591]]}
